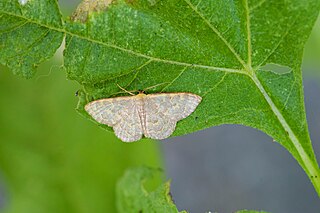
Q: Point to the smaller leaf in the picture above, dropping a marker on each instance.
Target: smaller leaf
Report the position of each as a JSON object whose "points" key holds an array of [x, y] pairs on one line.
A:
{"points": [[132, 196]]}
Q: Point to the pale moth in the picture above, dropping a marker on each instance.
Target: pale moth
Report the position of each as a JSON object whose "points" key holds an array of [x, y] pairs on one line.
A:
{"points": [[154, 115]]}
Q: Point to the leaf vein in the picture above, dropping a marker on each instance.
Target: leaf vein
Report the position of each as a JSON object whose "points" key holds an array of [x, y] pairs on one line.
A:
{"points": [[138, 71], [277, 45], [124, 74], [248, 34], [28, 48], [176, 78], [215, 30], [257, 5], [216, 85], [291, 90], [15, 27]]}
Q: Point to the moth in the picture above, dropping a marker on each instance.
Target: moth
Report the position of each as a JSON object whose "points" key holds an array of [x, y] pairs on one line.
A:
{"points": [[154, 115]]}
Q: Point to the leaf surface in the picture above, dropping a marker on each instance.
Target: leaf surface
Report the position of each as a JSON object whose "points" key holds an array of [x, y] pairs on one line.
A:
{"points": [[216, 49]]}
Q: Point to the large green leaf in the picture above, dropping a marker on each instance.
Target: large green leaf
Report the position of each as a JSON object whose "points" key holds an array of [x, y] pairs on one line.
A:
{"points": [[216, 49]]}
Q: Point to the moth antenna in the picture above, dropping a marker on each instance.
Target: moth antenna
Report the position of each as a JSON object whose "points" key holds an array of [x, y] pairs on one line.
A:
{"points": [[126, 91]]}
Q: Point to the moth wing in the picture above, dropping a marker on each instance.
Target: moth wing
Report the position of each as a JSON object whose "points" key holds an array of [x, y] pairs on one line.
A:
{"points": [[164, 110], [120, 113]]}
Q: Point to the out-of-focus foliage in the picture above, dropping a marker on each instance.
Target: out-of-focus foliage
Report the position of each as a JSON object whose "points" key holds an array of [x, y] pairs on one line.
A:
{"points": [[51, 159], [133, 197]]}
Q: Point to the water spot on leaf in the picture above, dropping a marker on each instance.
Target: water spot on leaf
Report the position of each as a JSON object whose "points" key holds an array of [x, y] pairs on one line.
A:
{"points": [[277, 68]]}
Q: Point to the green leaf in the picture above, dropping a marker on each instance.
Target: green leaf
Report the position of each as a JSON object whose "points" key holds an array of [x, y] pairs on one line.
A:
{"points": [[219, 50], [26, 37], [132, 196]]}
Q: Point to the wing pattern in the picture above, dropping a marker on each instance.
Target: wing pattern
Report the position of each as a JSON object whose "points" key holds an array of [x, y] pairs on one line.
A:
{"points": [[164, 110], [153, 115], [120, 113]]}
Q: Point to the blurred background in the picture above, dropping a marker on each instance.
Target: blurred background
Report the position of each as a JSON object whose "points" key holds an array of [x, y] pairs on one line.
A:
{"points": [[53, 160]]}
